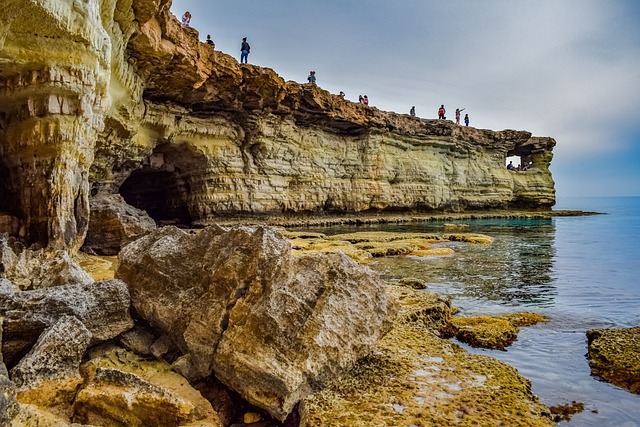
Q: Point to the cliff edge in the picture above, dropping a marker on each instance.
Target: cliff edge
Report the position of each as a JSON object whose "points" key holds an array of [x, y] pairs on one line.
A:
{"points": [[114, 96]]}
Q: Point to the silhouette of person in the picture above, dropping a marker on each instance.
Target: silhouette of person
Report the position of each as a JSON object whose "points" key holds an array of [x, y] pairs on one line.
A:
{"points": [[413, 111], [360, 99], [312, 77], [245, 49], [209, 41], [466, 120], [341, 94], [186, 18], [510, 165], [442, 112], [458, 111]]}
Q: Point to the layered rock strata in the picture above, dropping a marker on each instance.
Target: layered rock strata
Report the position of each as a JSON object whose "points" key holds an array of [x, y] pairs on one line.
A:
{"points": [[114, 96]]}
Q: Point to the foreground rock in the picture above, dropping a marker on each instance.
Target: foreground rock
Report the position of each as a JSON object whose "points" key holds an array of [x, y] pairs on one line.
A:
{"points": [[124, 390], [33, 269], [114, 224], [8, 402], [49, 374], [614, 355], [271, 326], [416, 378], [102, 307]]}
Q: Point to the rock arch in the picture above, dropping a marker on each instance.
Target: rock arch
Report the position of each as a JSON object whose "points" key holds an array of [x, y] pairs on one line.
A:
{"points": [[166, 183]]}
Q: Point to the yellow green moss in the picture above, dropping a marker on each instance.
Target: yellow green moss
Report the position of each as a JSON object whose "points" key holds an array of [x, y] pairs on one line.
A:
{"points": [[614, 355]]}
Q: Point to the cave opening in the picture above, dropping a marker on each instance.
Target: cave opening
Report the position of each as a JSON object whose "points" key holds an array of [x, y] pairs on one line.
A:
{"points": [[161, 193], [163, 184]]}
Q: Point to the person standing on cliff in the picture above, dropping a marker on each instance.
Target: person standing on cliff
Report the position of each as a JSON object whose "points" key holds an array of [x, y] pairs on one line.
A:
{"points": [[442, 112], [466, 120], [458, 111], [244, 49], [209, 41], [360, 99], [312, 77], [412, 112], [186, 18], [365, 100]]}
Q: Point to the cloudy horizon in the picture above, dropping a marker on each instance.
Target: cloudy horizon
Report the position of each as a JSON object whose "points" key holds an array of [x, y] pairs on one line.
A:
{"points": [[569, 70]]}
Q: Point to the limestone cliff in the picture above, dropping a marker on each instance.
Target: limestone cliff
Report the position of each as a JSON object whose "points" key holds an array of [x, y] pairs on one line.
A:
{"points": [[114, 96]]}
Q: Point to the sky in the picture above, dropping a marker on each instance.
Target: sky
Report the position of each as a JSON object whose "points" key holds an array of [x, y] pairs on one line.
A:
{"points": [[569, 69]]}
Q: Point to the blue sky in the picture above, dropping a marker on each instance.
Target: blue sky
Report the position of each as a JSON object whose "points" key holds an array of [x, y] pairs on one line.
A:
{"points": [[568, 69]]}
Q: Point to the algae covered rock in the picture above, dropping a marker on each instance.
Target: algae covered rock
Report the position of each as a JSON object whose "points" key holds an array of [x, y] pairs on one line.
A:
{"points": [[271, 326], [492, 332], [614, 355]]}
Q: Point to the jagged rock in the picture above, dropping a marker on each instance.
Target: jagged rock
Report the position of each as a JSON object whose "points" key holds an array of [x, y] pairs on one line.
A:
{"points": [[124, 390], [8, 403], [113, 224], [103, 308], [33, 269], [49, 374], [33, 416], [271, 326], [614, 355]]}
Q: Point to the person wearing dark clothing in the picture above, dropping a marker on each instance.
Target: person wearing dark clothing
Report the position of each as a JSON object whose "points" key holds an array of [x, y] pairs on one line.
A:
{"points": [[466, 120], [312, 77], [413, 111], [209, 41], [245, 49], [441, 112]]}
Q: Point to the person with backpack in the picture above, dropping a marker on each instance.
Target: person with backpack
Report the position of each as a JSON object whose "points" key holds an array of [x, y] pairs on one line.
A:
{"points": [[245, 49], [442, 112]]}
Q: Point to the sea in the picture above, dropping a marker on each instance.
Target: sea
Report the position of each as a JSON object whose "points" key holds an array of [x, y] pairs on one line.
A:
{"points": [[582, 272]]}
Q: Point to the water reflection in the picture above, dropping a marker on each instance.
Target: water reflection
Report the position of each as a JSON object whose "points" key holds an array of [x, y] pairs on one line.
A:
{"points": [[516, 269]]}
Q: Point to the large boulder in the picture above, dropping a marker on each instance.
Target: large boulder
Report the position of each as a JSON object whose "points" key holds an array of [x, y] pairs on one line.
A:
{"points": [[271, 326], [114, 223], [614, 356], [49, 374], [34, 269], [102, 307]]}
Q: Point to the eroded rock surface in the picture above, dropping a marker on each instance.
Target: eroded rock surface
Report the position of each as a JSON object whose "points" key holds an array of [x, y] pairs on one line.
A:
{"points": [[122, 389], [102, 307], [49, 374], [614, 355], [113, 224], [33, 269], [416, 378], [271, 326]]}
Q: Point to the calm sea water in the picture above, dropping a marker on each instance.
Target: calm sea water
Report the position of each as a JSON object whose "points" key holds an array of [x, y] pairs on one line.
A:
{"points": [[582, 272]]}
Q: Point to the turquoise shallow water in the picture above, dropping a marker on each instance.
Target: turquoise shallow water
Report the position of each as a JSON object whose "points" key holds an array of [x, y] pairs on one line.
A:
{"points": [[582, 272]]}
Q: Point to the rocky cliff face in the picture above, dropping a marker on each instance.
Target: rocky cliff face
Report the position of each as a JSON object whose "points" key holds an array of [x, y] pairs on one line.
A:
{"points": [[114, 96]]}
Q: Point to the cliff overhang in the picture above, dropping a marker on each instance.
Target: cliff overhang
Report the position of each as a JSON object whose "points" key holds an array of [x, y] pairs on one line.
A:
{"points": [[115, 96]]}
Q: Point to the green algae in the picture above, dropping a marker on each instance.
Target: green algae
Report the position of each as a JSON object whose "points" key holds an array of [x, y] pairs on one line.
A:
{"points": [[614, 356]]}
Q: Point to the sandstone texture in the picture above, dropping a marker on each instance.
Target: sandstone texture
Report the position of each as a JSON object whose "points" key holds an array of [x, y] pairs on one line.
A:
{"points": [[29, 269], [121, 389], [271, 326], [113, 224], [105, 97], [102, 307], [614, 356], [49, 374]]}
